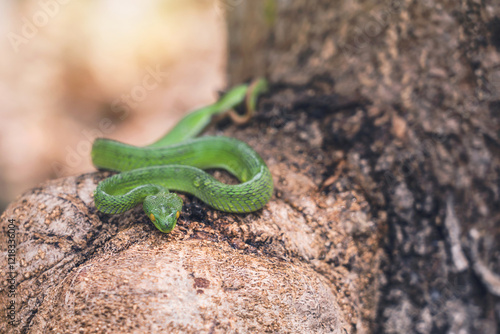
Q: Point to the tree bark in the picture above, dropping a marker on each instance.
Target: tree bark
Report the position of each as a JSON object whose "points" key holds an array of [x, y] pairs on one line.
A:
{"points": [[423, 144], [304, 263], [381, 130]]}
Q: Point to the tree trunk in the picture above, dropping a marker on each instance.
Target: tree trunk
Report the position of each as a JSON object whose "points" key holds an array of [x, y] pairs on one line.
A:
{"points": [[422, 144], [381, 132], [303, 263]]}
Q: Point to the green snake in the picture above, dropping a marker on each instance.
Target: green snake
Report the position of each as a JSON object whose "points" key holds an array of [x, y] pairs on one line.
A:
{"points": [[176, 162]]}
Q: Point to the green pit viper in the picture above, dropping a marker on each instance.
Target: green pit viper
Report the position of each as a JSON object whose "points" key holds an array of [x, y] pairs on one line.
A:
{"points": [[176, 162]]}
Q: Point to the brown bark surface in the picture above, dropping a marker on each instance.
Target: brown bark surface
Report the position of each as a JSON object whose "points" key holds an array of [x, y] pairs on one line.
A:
{"points": [[381, 130], [423, 144], [304, 263]]}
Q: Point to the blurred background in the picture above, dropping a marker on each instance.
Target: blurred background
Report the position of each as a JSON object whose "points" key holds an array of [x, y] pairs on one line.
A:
{"points": [[74, 70]]}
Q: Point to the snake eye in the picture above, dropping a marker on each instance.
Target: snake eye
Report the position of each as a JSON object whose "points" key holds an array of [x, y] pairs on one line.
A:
{"points": [[177, 214], [152, 217]]}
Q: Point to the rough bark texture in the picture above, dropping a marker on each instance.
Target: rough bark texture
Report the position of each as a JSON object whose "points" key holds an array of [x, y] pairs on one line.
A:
{"points": [[381, 125], [424, 144], [305, 263]]}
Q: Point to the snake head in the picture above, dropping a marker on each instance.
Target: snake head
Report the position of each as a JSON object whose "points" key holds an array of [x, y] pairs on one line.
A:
{"points": [[163, 209]]}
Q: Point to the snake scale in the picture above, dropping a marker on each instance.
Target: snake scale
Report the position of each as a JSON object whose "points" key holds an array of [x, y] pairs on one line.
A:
{"points": [[177, 161]]}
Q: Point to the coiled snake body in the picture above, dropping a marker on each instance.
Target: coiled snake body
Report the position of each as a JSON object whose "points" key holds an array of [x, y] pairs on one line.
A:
{"points": [[176, 162]]}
